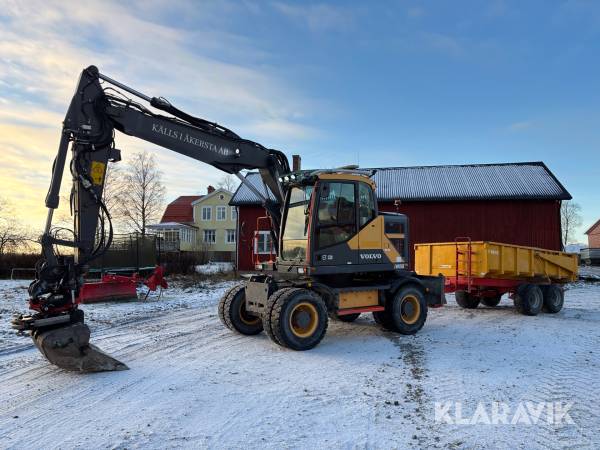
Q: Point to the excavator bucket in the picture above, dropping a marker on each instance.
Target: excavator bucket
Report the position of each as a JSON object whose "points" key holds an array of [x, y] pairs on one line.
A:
{"points": [[69, 348]]}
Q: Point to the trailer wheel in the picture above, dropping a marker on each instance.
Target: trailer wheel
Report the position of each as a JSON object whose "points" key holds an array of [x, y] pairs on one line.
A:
{"points": [[491, 301], [466, 300], [298, 319], [233, 314], [344, 317], [408, 310], [529, 299], [554, 298]]}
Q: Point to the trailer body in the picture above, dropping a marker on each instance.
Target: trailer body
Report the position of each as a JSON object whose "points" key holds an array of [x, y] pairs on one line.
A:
{"points": [[493, 260]]}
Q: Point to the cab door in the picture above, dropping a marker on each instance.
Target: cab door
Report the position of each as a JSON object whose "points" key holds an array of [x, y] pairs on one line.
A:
{"points": [[371, 228], [335, 223]]}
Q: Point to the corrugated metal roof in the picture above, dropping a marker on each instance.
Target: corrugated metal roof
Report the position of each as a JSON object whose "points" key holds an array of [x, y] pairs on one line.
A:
{"points": [[510, 181]]}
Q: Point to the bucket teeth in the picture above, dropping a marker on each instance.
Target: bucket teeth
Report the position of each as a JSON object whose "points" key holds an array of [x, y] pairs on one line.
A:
{"points": [[69, 348]]}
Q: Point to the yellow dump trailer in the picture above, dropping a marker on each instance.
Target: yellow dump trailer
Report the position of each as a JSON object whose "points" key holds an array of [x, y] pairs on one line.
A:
{"points": [[481, 272]]}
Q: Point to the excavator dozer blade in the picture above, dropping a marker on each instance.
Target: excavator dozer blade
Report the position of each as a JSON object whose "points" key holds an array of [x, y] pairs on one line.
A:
{"points": [[69, 348]]}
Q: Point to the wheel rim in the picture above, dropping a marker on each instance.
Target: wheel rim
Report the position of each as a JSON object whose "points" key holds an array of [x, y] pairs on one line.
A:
{"points": [[536, 301], [245, 317], [410, 309], [304, 319]]}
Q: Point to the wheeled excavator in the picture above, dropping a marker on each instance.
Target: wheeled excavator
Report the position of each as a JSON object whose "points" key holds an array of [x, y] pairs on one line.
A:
{"points": [[338, 256]]}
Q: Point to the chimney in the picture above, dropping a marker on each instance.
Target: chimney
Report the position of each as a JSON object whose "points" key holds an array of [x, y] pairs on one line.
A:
{"points": [[296, 163], [210, 189]]}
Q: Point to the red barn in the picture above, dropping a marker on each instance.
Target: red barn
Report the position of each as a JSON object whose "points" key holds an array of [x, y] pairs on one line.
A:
{"points": [[515, 203]]}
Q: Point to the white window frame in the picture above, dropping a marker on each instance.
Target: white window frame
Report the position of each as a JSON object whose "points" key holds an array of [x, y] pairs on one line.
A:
{"points": [[223, 209], [209, 209], [214, 234], [227, 241], [268, 249], [233, 213]]}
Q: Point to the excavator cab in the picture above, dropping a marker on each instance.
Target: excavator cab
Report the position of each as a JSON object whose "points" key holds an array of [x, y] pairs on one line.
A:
{"points": [[331, 226]]}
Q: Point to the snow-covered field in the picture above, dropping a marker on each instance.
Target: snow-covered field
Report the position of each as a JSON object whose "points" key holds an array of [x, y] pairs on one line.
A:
{"points": [[195, 384]]}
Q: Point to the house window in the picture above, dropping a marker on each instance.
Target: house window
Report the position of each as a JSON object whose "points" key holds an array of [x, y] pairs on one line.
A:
{"points": [[171, 235], [221, 213], [230, 237], [233, 213], [263, 243], [206, 213], [210, 236]]}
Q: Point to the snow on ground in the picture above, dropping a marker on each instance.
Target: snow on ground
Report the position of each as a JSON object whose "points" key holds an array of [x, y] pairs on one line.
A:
{"points": [[590, 272], [215, 267], [194, 384]]}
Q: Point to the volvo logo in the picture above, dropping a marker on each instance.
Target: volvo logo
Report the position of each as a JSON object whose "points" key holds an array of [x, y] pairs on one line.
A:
{"points": [[370, 256]]}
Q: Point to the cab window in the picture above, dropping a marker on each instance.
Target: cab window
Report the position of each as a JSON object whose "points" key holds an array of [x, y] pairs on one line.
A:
{"points": [[336, 214]]}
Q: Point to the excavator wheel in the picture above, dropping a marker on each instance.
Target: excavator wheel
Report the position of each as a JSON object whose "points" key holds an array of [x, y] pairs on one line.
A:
{"points": [[298, 318], [267, 322], [348, 318], [408, 310], [233, 314], [384, 319]]}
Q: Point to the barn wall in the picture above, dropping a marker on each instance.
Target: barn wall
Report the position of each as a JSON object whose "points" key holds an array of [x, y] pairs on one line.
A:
{"points": [[594, 237], [519, 222], [247, 216]]}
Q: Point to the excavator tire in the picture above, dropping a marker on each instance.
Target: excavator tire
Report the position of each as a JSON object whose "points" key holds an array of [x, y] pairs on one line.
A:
{"points": [[267, 322], [348, 318], [298, 319], [408, 309], [232, 312], [384, 319]]}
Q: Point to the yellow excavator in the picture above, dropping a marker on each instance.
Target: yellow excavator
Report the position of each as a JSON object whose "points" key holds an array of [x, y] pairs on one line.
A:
{"points": [[338, 256]]}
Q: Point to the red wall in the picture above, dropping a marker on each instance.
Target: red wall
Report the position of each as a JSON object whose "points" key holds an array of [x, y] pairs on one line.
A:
{"points": [[594, 237], [520, 222], [247, 216]]}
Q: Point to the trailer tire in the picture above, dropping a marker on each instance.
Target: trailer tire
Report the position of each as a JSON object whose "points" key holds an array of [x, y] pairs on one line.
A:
{"points": [[491, 302], [529, 299], [344, 317], [554, 298], [232, 312], [298, 319], [408, 310], [466, 300]]}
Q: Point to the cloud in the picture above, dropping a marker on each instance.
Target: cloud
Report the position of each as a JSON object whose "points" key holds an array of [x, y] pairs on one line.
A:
{"points": [[204, 70], [317, 17]]}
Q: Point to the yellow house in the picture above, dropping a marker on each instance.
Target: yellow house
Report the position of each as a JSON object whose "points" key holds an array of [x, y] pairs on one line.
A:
{"points": [[216, 223], [199, 223]]}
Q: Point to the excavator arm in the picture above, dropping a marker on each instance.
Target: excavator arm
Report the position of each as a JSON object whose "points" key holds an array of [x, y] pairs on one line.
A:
{"points": [[100, 106]]}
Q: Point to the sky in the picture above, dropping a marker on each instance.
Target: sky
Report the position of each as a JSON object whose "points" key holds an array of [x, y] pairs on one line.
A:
{"points": [[387, 83]]}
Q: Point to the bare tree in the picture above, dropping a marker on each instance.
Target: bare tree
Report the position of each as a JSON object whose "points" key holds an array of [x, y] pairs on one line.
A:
{"points": [[228, 182], [140, 199], [570, 220], [13, 236]]}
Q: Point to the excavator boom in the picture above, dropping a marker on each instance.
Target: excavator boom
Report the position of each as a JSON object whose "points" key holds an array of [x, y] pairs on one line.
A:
{"points": [[100, 105]]}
